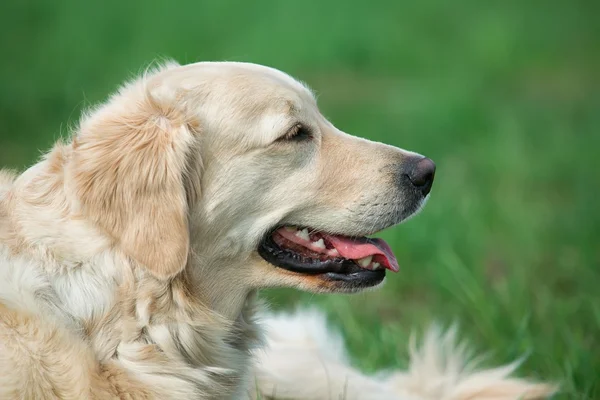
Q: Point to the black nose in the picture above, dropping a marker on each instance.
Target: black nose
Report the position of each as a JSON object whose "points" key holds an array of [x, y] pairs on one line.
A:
{"points": [[421, 175]]}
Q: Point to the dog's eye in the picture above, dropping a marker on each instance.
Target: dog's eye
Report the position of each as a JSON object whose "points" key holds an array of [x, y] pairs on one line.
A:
{"points": [[298, 133]]}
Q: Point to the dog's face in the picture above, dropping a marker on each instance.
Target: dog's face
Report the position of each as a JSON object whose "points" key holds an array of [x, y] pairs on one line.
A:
{"points": [[272, 189]]}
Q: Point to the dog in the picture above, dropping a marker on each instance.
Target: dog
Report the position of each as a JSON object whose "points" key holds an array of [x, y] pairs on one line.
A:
{"points": [[132, 253]]}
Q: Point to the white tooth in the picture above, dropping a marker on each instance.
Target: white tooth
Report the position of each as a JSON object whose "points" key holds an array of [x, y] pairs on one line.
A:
{"points": [[303, 234], [364, 262], [376, 265], [320, 244], [333, 253], [290, 228]]}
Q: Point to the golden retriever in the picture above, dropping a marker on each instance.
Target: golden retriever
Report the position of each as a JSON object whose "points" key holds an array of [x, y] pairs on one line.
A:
{"points": [[130, 256]]}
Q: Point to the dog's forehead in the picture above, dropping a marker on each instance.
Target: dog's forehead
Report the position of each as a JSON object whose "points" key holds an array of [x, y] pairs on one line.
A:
{"points": [[257, 82], [262, 75], [269, 87]]}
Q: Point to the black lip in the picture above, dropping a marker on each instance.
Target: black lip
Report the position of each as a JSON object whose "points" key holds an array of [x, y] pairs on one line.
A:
{"points": [[338, 269]]}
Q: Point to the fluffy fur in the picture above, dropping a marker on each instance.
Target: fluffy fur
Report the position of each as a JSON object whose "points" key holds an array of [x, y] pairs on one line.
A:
{"points": [[128, 264]]}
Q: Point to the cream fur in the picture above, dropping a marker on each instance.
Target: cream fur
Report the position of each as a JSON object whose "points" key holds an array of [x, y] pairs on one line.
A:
{"points": [[128, 266], [440, 368]]}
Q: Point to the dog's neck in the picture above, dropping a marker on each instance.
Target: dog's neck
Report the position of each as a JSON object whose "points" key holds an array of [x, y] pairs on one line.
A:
{"points": [[195, 318], [221, 294], [49, 218]]}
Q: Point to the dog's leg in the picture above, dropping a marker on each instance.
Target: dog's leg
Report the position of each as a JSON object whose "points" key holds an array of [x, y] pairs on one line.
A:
{"points": [[306, 360]]}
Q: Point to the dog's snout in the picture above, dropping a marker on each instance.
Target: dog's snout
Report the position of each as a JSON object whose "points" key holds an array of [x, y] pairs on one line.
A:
{"points": [[420, 174]]}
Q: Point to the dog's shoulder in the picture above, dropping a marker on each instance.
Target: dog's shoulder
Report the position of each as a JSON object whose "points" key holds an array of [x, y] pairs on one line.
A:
{"points": [[39, 342]]}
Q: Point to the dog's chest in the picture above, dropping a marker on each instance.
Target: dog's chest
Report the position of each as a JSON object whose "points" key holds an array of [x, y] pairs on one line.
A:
{"points": [[183, 359]]}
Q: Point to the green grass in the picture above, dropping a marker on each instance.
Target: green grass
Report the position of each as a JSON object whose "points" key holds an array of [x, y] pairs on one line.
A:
{"points": [[504, 96]]}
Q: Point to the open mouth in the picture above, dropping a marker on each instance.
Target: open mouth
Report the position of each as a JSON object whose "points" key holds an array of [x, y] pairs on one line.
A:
{"points": [[361, 261]]}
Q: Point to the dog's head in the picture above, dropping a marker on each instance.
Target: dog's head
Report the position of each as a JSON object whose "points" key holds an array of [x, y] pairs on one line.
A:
{"points": [[231, 167]]}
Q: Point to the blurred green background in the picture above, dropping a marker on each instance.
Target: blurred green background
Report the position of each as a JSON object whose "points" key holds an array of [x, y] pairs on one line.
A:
{"points": [[504, 96]]}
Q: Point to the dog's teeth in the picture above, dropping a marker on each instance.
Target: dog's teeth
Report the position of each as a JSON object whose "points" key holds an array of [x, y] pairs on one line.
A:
{"points": [[376, 265], [303, 234], [364, 262], [290, 228], [320, 244], [333, 253]]}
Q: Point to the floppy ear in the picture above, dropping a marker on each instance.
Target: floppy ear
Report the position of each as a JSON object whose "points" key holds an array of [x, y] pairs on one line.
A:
{"points": [[128, 168]]}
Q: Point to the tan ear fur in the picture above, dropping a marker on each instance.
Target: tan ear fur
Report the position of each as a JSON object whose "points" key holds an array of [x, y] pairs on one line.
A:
{"points": [[128, 168]]}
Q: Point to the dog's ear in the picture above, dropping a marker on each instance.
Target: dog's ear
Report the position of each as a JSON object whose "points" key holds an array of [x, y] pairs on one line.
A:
{"points": [[129, 170]]}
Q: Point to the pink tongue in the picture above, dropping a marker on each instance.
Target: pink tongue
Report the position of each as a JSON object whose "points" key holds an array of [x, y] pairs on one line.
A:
{"points": [[357, 249]]}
